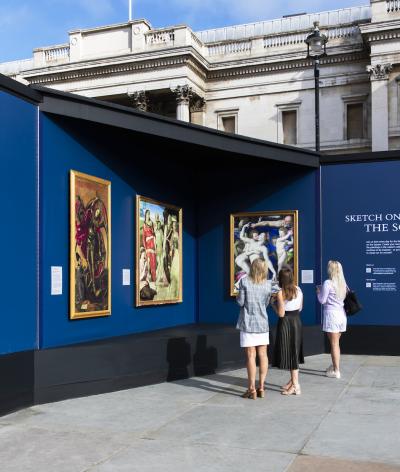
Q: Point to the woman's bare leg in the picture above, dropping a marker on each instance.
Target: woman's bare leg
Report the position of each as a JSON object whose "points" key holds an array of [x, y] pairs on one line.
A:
{"points": [[263, 365], [295, 376], [251, 367], [334, 339]]}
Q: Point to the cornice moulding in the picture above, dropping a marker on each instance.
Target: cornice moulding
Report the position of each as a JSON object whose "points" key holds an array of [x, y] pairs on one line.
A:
{"points": [[209, 71]]}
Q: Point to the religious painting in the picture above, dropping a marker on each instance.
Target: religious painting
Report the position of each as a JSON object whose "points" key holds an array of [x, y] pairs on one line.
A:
{"points": [[268, 235], [158, 252], [90, 245]]}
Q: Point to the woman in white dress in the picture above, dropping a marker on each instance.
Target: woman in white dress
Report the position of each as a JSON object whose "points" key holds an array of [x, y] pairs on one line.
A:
{"points": [[331, 295], [253, 298]]}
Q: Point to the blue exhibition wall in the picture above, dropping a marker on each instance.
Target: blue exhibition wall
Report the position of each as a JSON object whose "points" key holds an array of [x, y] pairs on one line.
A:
{"points": [[361, 228], [247, 188], [133, 166], [18, 236]]}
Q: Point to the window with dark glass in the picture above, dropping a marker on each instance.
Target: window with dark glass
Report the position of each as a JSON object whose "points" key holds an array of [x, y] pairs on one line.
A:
{"points": [[355, 121], [289, 126], [228, 124]]}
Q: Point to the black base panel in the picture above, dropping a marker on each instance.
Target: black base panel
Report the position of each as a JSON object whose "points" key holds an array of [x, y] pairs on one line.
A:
{"points": [[143, 359], [125, 362], [371, 340], [16, 385], [135, 360]]}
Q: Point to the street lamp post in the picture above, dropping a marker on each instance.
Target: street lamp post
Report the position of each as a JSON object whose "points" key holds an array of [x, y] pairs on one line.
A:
{"points": [[316, 49]]}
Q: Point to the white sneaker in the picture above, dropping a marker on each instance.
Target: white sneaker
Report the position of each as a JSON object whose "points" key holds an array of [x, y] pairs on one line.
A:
{"points": [[333, 374]]}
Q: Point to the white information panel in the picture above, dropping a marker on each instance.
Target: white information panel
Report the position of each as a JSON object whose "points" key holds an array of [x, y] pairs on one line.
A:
{"points": [[126, 276], [307, 276], [56, 280]]}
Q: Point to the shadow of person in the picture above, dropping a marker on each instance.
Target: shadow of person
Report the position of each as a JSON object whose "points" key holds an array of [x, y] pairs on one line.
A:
{"points": [[178, 358], [205, 359], [319, 373]]}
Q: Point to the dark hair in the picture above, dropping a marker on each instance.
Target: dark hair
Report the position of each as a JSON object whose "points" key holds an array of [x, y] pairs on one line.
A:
{"points": [[286, 282]]}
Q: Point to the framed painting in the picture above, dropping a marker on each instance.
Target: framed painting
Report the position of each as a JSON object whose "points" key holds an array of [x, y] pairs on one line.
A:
{"points": [[158, 252], [269, 235], [90, 246]]}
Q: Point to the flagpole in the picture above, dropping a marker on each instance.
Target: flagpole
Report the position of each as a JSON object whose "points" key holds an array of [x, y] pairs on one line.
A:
{"points": [[130, 10]]}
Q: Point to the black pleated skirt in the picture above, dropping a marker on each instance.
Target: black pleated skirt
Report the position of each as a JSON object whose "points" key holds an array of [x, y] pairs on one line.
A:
{"points": [[289, 342]]}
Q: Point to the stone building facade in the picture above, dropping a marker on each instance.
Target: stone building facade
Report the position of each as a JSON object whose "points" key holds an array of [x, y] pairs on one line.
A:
{"points": [[253, 79]]}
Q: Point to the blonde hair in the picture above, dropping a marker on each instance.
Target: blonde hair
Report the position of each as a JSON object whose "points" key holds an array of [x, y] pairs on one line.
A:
{"points": [[258, 271], [335, 274]]}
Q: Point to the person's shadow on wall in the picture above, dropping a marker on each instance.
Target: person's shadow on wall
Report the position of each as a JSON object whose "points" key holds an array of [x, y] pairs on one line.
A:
{"points": [[205, 359], [178, 358]]}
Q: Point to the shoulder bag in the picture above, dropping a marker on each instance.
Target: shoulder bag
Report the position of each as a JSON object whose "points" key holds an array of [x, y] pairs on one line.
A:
{"points": [[351, 303]]}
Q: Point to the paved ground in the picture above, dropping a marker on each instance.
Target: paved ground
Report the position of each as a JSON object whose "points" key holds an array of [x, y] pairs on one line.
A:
{"points": [[203, 424]]}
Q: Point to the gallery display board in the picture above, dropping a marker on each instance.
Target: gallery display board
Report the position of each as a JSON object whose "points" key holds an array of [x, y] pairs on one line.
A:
{"points": [[217, 236], [361, 228], [19, 235], [78, 147]]}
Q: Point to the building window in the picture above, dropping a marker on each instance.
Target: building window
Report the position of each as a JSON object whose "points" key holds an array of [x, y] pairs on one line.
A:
{"points": [[228, 120], [289, 126], [228, 124], [355, 117], [355, 121]]}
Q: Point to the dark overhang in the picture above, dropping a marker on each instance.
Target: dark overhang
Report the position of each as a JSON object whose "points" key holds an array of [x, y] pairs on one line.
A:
{"points": [[96, 111], [360, 157], [19, 90]]}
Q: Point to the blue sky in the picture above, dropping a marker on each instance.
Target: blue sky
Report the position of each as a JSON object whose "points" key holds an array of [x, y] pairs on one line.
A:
{"points": [[25, 25]]}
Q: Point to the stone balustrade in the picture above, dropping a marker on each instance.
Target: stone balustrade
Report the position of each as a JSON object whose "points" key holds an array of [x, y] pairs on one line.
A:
{"points": [[56, 53], [284, 40], [231, 47], [252, 39], [160, 37], [392, 6], [48, 56]]}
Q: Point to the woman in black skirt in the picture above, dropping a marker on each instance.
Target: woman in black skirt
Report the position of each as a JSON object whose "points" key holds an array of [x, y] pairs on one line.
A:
{"points": [[289, 336]]}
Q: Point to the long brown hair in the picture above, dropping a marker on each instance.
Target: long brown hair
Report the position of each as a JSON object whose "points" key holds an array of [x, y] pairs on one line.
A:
{"points": [[286, 282], [258, 271]]}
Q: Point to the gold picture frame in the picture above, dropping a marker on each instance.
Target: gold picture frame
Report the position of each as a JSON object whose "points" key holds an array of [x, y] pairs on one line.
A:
{"points": [[159, 255], [281, 225], [90, 246]]}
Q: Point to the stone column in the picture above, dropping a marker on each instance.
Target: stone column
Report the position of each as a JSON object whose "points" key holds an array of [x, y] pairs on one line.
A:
{"points": [[184, 94], [380, 105], [140, 100], [198, 111]]}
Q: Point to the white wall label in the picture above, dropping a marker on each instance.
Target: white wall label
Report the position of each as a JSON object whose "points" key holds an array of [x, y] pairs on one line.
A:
{"points": [[56, 280], [126, 276], [307, 276]]}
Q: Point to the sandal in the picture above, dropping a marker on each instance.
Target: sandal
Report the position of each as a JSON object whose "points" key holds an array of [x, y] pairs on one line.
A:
{"points": [[293, 390], [287, 386], [250, 394], [260, 393]]}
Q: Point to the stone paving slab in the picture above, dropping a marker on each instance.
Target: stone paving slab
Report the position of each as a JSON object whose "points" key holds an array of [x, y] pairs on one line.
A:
{"points": [[35, 449], [203, 424], [154, 456]]}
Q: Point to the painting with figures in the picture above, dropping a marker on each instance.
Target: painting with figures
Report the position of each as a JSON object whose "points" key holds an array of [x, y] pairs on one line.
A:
{"points": [[90, 245], [158, 252], [269, 235]]}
